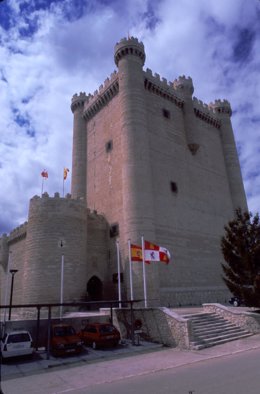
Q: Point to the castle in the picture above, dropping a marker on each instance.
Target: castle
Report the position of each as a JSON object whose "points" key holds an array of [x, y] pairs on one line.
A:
{"points": [[151, 160]]}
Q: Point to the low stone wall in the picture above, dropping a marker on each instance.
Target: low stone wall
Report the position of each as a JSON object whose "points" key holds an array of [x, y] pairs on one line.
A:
{"points": [[159, 325], [244, 319]]}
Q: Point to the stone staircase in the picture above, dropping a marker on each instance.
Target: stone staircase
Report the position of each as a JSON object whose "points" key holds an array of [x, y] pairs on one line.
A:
{"points": [[210, 329]]}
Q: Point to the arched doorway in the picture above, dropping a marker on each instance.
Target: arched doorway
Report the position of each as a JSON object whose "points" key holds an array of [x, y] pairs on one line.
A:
{"points": [[95, 289]]}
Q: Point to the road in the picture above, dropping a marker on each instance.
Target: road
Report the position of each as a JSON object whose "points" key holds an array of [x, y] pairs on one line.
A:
{"points": [[234, 374], [230, 368]]}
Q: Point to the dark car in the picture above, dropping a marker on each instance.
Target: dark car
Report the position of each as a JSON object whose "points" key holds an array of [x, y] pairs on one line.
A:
{"points": [[100, 335], [64, 340], [235, 301]]}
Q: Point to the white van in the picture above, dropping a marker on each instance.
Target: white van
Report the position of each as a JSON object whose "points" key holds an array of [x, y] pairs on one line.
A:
{"points": [[16, 343]]}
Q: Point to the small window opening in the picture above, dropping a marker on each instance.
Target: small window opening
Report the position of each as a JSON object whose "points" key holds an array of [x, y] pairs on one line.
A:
{"points": [[114, 230], [115, 277], [166, 113], [109, 146], [174, 187]]}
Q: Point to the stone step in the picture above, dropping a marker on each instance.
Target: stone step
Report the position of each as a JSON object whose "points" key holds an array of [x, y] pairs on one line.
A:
{"points": [[210, 329], [204, 316], [200, 314], [198, 345], [207, 328], [210, 323], [220, 333]]}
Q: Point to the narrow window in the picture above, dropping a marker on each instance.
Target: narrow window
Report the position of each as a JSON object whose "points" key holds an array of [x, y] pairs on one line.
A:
{"points": [[114, 230], [115, 277], [166, 113], [174, 187], [109, 146]]}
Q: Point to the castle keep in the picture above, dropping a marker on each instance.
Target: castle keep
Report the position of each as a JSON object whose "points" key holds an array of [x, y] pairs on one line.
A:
{"points": [[149, 159]]}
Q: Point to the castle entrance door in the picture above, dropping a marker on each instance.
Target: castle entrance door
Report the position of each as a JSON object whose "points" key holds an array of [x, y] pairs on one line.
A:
{"points": [[95, 289]]}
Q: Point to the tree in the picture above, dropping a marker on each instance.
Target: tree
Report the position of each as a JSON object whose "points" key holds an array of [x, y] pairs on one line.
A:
{"points": [[241, 250]]}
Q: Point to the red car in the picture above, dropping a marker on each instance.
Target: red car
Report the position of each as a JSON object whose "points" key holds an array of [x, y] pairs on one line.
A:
{"points": [[100, 335], [64, 340]]}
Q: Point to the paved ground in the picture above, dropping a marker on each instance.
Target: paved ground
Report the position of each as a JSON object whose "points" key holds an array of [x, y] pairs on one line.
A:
{"points": [[70, 375], [59, 375], [19, 367]]}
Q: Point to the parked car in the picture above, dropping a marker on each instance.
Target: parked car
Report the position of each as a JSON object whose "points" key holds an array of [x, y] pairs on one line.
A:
{"points": [[235, 301], [64, 340], [16, 343], [100, 335]]}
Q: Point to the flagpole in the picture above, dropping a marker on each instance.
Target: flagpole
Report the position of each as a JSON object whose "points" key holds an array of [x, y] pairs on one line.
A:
{"points": [[130, 271], [42, 185], [61, 285], [118, 274], [144, 276]]}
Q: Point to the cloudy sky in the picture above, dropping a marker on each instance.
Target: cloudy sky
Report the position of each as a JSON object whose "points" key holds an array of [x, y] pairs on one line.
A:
{"points": [[51, 49]]}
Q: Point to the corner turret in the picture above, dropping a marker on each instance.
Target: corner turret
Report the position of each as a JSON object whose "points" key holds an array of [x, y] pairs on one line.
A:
{"points": [[78, 178], [78, 101], [221, 107], [137, 194], [184, 86], [129, 46]]}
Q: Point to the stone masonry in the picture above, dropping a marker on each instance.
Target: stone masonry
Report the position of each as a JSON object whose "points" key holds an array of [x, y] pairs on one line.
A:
{"points": [[149, 159]]}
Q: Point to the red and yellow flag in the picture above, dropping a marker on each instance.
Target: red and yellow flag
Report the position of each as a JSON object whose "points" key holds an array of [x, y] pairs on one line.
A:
{"points": [[44, 174], [136, 253], [65, 173]]}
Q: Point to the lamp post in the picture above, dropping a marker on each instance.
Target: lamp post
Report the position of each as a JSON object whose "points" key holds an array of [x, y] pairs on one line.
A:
{"points": [[13, 272], [7, 283]]}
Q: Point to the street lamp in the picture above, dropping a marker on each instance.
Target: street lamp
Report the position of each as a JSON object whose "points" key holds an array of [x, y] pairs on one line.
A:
{"points": [[13, 272]]}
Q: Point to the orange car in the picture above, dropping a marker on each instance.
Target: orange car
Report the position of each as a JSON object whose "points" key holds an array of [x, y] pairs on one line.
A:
{"points": [[100, 335]]}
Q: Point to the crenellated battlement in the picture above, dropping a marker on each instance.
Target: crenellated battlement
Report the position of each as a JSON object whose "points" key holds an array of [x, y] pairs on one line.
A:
{"points": [[18, 233], [160, 86], [78, 100], [205, 112], [45, 197], [3, 249], [93, 214], [102, 96], [221, 107], [129, 46]]}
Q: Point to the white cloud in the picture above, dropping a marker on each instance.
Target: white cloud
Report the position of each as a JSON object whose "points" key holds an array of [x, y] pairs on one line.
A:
{"points": [[47, 53]]}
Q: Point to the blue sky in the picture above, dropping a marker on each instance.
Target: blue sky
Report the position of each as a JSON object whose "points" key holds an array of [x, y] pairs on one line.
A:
{"points": [[50, 50]]}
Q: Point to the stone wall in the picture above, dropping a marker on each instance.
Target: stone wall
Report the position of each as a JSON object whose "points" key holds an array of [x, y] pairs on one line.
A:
{"points": [[14, 248], [158, 325], [249, 320], [193, 295]]}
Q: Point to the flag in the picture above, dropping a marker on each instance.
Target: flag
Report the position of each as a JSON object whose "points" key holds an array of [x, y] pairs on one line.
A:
{"points": [[136, 253], [65, 173], [154, 252], [44, 174]]}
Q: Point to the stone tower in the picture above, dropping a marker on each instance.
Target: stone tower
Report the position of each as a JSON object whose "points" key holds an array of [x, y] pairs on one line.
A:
{"points": [[137, 188], [78, 185], [161, 164]]}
